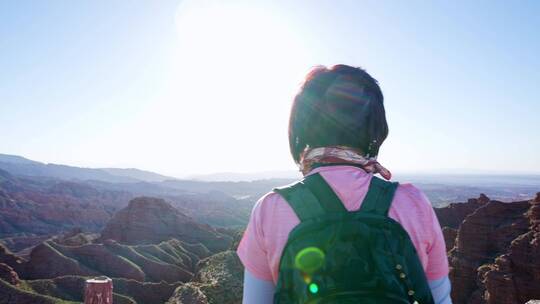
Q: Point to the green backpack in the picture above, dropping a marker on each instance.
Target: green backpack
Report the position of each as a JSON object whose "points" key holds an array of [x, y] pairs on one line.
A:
{"points": [[337, 256]]}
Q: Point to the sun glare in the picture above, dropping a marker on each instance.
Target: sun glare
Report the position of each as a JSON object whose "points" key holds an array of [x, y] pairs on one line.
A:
{"points": [[236, 65], [246, 50]]}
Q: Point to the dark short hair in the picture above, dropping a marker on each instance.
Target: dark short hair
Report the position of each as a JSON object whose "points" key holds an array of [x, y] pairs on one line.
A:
{"points": [[340, 105]]}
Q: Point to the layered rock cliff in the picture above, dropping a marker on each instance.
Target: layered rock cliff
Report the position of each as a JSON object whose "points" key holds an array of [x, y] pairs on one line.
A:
{"points": [[37, 207], [514, 277], [496, 256]]}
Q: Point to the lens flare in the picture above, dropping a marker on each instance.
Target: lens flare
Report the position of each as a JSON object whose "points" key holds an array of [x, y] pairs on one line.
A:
{"points": [[309, 259], [313, 288]]}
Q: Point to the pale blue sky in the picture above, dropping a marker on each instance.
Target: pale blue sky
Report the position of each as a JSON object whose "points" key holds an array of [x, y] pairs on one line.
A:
{"points": [[185, 87]]}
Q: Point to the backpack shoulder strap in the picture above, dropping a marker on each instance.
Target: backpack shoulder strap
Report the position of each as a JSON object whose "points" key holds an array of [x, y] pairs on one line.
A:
{"points": [[324, 193], [379, 196], [311, 197]]}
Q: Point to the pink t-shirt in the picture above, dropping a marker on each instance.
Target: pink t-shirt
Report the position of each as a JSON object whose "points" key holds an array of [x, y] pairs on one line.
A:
{"points": [[272, 219]]}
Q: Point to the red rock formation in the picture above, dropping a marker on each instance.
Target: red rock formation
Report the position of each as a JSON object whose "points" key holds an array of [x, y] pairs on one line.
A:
{"points": [[149, 220], [495, 255], [515, 275], [534, 212], [45, 207], [483, 235], [453, 215]]}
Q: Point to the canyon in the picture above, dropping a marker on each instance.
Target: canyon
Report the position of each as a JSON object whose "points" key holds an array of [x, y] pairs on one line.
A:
{"points": [[164, 242]]}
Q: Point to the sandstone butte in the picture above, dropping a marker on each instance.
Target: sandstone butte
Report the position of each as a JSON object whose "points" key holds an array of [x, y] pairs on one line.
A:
{"points": [[148, 220]]}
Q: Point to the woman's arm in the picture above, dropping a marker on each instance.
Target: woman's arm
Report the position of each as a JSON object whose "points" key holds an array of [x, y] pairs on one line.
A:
{"points": [[257, 291], [440, 290]]}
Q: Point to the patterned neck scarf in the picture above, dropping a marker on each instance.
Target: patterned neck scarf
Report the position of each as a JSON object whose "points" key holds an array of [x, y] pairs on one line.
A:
{"points": [[340, 154]]}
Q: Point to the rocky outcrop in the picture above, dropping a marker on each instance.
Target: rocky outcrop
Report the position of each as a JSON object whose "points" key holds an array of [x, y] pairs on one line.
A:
{"points": [[514, 277], [219, 279], [496, 255], [149, 220], [453, 215], [75, 237], [221, 276], [483, 235], [189, 293]]}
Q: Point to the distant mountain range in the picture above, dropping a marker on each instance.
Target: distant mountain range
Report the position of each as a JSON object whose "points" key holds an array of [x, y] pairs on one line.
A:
{"points": [[440, 188], [246, 176], [22, 166]]}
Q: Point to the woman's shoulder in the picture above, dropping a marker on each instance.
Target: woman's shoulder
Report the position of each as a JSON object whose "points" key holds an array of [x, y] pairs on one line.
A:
{"points": [[412, 193], [409, 198], [268, 199], [269, 203]]}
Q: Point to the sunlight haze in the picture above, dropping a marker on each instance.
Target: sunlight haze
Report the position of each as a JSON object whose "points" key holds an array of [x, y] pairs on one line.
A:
{"points": [[197, 87]]}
